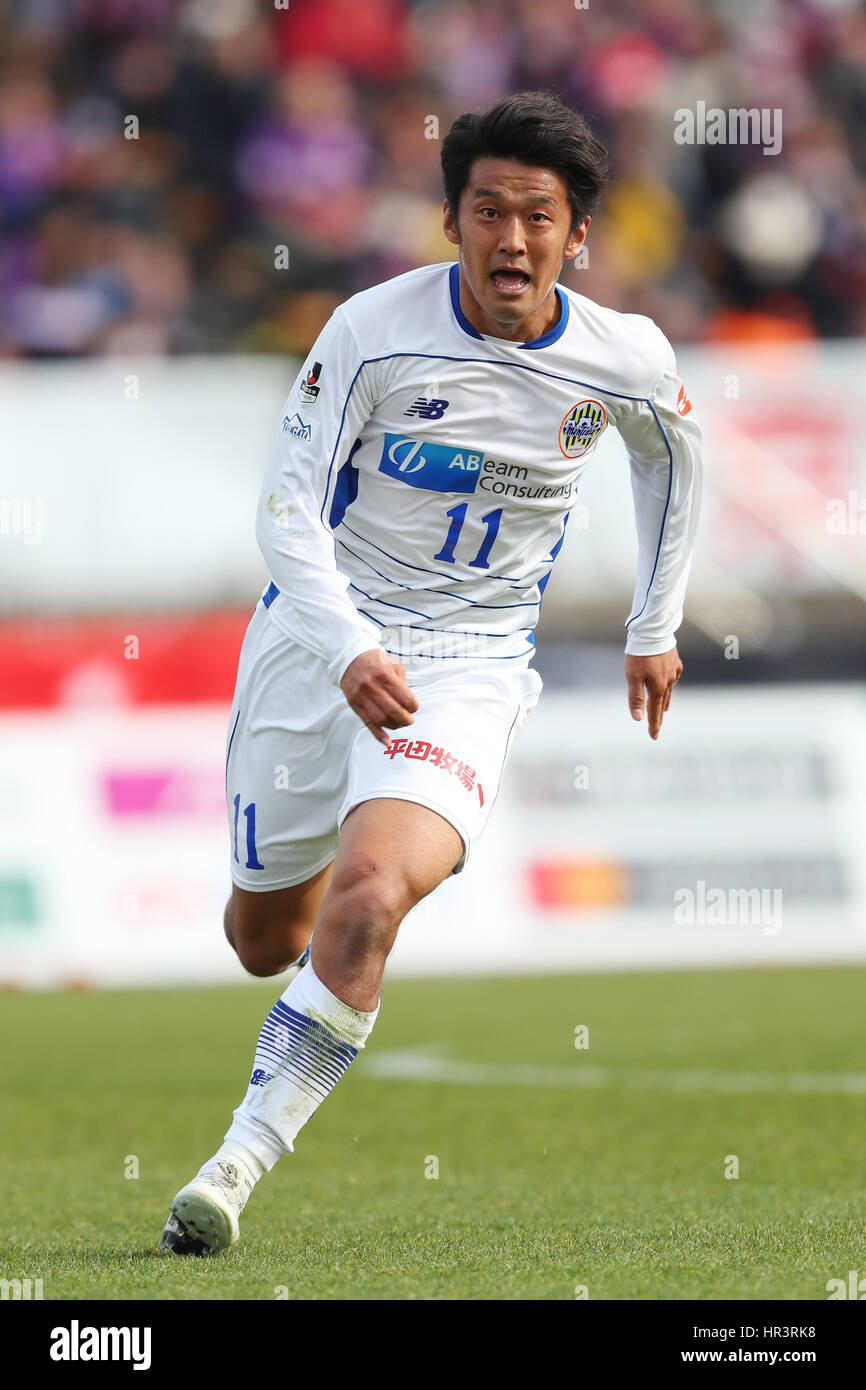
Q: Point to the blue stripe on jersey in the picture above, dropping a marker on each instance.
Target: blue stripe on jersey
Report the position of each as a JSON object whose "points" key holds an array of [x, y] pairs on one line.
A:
{"points": [[272, 591], [664, 515], [420, 588], [492, 362], [386, 604], [542, 583], [558, 328], [454, 290], [490, 607], [455, 579], [412, 588], [424, 588], [345, 488], [231, 740], [361, 366], [461, 656], [463, 631]]}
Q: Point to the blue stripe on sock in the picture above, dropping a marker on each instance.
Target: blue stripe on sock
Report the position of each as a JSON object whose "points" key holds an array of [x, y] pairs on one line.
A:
{"points": [[335, 1043], [303, 1050], [297, 1046]]}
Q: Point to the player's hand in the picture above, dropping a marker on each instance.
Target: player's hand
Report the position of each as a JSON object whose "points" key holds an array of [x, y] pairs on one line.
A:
{"points": [[375, 686], [659, 675]]}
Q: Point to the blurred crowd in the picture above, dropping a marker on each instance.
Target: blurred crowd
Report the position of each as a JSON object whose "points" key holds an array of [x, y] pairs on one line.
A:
{"points": [[185, 176]]}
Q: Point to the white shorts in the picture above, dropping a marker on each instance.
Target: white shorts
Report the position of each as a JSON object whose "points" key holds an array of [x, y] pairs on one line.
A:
{"points": [[298, 758]]}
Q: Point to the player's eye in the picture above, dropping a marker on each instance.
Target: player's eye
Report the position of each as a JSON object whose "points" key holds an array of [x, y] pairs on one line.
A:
{"points": [[483, 210]]}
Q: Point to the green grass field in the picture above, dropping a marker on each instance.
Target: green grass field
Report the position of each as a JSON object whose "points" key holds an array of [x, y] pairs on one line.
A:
{"points": [[558, 1167]]}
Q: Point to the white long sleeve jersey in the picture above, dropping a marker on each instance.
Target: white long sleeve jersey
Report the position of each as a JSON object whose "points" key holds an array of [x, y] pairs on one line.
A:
{"points": [[422, 475]]}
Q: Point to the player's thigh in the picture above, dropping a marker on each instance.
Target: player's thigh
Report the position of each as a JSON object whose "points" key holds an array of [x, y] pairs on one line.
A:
{"points": [[396, 851]]}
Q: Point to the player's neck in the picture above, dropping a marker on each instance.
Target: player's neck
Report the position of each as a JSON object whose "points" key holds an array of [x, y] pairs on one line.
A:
{"points": [[542, 319]]}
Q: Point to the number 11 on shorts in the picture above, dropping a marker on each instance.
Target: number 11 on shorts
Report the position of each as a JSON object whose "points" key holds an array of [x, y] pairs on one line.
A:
{"points": [[250, 816]]}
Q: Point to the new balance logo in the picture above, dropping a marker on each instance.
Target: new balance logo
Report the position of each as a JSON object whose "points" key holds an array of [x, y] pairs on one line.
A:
{"points": [[427, 410]]}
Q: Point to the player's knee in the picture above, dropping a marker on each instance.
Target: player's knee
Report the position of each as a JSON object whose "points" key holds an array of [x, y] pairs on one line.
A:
{"points": [[372, 899], [260, 958], [265, 945]]}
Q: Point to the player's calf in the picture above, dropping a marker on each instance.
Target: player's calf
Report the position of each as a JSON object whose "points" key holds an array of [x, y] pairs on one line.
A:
{"points": [[270, 931]]}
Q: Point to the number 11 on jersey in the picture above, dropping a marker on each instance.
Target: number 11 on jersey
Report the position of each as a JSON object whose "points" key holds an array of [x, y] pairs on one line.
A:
{"points": [[458, 516]]}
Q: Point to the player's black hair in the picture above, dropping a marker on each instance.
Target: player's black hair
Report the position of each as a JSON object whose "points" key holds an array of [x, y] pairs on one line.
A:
{"points": [[534, 128]]}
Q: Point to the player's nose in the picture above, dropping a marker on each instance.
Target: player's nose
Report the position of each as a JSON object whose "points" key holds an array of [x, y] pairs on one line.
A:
{"points": [[513, 241]]}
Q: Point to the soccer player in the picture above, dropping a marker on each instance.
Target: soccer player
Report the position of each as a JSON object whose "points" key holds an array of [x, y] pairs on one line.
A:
{"points": [[417, 495]]}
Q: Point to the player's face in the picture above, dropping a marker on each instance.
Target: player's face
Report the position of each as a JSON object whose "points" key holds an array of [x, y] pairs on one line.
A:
{"points": [[514, 230]]}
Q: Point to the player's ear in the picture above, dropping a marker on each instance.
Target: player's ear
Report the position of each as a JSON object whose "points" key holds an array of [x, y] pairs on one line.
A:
{"points": [[576, 239], [449, 226]]}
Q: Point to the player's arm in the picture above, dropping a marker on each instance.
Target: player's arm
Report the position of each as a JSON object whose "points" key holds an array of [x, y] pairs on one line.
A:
{"points": [[311, 443], [665, 449]]}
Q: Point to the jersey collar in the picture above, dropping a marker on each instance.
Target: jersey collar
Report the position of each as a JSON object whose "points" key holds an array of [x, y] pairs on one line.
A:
{"points": [[544, 341]]}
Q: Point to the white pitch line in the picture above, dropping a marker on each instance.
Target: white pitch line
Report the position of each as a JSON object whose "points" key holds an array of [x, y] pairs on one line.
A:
{"points": [[433, 1068]]}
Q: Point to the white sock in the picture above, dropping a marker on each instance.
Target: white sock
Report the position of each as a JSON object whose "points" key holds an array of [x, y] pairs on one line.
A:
{"points": [[233, 1152], [307, 1041]]}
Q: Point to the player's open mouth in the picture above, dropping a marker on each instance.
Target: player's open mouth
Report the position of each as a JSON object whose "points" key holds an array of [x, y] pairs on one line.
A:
{"points": [[509, 281]]}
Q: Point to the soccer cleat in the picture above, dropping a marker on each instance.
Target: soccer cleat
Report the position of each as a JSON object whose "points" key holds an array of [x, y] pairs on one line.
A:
{"points": [[204, 1214], [177, 1239]]}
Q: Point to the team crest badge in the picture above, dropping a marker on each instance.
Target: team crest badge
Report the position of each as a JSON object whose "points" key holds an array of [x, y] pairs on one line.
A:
{"points": [[581, 428]]}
